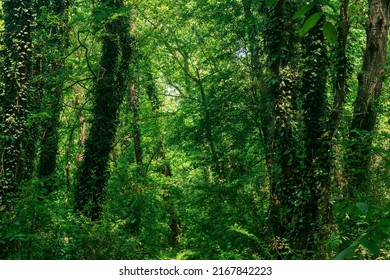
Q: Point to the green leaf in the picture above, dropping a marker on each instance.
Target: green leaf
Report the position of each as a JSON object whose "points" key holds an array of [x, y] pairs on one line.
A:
{"points": [[371, 246], [363, 207], [269, 3], [302, 11], [309, 23], [330, 32], [348, 252]]}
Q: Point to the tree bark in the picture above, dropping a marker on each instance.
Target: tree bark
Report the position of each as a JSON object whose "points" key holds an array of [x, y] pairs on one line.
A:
{"points": [[370, 82]]}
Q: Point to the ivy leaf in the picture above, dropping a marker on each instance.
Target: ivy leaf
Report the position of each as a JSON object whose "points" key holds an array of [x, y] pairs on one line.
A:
{"points": [[269, 3], [309, 23], [330, 32], [302, 11]]}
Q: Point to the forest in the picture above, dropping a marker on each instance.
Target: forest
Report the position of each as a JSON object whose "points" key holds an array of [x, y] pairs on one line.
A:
{"points": [[194, 129]]}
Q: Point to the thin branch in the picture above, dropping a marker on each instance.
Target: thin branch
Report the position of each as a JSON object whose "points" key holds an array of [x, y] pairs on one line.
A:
{"points": [[86, 54], [77, 82]]}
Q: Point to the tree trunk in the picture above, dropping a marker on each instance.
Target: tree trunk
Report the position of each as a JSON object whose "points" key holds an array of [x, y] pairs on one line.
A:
{"points": [[109, 91], [280, 89], [57, 40], [18, 20], [370, 82], [317, 162]]}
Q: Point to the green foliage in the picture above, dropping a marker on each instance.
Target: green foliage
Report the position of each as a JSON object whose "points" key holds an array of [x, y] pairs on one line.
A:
{"points": [[269, 3], [310, 23], [244, 146], [303, 10], [373, 233]]}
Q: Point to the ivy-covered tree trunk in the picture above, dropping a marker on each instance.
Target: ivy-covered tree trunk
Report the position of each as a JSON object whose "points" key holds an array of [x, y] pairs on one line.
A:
{"points": [[109, 90], [56, 39], [18, 20], [317, 161], [370, 82], [280, 88]]}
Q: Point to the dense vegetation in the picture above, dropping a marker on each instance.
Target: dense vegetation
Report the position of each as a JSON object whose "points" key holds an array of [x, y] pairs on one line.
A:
{"points": [[206, 129]]}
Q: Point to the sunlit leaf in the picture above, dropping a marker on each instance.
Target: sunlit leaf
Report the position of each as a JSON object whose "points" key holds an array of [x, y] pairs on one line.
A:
{"points": [[330, 32], [309, 23]]}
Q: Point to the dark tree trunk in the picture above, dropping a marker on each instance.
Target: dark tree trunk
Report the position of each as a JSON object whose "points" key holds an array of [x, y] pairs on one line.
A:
{"points": [[57, 40], [317, 163], [370, 82], [109, 91], [18, 20], [280, 89]]}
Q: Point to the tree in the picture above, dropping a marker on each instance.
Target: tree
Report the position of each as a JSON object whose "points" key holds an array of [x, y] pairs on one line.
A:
{"points": [[370, 81], [18, 20], [317, 159], [111, 85], [281, 89], [54, 39]]}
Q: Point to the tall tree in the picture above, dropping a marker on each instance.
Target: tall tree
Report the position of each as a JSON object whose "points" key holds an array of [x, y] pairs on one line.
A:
{"points": [[55, 37], [317, 160], [110, 87], [281, 88], [370, 81], [18, 20]]}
